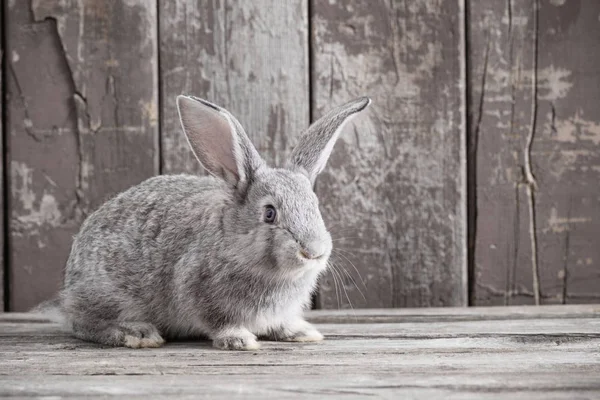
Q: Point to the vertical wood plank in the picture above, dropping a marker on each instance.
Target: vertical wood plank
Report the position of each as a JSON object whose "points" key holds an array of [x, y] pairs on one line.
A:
{"points": [[536, 123], [82, 124], [502, 58], [249, 57], [394, 190]]}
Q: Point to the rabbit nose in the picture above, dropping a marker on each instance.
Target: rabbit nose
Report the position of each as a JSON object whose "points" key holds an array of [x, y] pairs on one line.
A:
{"points": [[312, 251]]}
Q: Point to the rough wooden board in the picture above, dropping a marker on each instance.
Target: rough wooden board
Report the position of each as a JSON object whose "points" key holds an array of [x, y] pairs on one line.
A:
{"points": [[527, 358], [448, 385], [445, 384], [389, 315], [566, 151], [249, 57], [394, 190], [451, 314], [535, 130], [82, 122], [545, 330]]}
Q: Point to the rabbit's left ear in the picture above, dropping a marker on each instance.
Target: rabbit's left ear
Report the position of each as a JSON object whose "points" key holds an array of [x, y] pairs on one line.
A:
{"points": [[315, 145], [218, 141]]}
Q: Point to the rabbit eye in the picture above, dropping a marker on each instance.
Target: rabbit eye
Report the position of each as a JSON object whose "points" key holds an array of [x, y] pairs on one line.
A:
{"points": [[270, 214]]}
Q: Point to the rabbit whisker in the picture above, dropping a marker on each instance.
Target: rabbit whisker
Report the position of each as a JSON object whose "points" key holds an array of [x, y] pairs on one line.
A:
{"points": [[338, 253], [345, 238], [354, 282], [335, 283], [345, 291]]}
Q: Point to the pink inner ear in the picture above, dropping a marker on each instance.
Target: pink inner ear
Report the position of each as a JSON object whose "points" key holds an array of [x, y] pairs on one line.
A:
{"points": [[210, 137]]}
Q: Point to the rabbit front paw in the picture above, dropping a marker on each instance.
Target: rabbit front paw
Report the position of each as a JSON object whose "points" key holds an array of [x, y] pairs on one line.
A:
{"points": [[297, 331], [235, 339], [139, 335]]}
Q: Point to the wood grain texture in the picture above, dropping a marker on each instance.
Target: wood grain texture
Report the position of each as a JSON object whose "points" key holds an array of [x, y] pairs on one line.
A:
{"points": [[535, 130], [82, 124], [525, 353], [249, 57], [449, 314], [394, 190]]}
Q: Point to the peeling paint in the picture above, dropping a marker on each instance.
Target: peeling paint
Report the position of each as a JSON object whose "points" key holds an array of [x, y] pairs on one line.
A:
{"points": [[558, 224], [251, 58], [553, 83], [149, 112], [388, 175], [515, 21], [576, 129], [35, 211], [98, 61]]}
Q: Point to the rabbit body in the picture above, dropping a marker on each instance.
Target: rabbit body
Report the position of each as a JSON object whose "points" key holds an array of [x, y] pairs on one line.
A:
{"points": [[170, 252], [229, 257]]}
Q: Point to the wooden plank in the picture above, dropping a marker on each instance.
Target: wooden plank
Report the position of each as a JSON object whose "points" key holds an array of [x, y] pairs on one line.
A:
{"points": [[399, 354], [249, 57], [82, 116], [581, 327], [389, 315], [535, 130], [453, 314], [394, 190], [444, 384], [555, 357]]}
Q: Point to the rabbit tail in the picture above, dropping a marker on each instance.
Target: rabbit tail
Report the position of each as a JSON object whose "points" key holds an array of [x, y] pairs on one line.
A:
{"points": [[51, 309]]}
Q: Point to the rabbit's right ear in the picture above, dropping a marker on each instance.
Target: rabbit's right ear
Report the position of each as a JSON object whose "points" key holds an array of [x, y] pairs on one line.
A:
{"points": [[315, 145], [218, 140]]}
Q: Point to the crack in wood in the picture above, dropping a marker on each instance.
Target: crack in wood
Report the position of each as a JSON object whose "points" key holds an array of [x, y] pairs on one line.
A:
{"points": [[509, 9], [493, 291], [534, 246], [553, 119], [511, 272], [80, 103], [27, 123], [565, 271], [395, 36], [226, 36], [472, 161], [530, 181], [78, 210]]}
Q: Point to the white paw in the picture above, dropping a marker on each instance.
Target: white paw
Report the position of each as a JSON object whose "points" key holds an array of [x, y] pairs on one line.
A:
{"points": [[236, 343], [299, 331], [139, 343], [236, 339], [308, 336]]}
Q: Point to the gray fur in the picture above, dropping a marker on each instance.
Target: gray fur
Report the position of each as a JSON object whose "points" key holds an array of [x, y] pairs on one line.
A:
{"points": [[317, 142], [181, 256]]}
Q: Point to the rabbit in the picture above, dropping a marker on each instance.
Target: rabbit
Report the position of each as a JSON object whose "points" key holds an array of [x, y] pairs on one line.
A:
{"points": [[233, 256]]}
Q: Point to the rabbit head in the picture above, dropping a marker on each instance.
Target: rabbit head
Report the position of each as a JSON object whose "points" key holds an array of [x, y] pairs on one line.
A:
{"points": [[277, 207]]}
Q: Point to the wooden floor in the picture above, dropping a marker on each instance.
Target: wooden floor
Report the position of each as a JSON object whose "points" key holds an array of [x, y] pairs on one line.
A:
{"points": [[479, 353]]}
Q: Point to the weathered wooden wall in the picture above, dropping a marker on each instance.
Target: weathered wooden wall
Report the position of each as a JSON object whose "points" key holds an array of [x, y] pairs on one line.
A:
{"points": [[82, 124], [249, 57], [89, 110], [395, 188], [535, 129]]}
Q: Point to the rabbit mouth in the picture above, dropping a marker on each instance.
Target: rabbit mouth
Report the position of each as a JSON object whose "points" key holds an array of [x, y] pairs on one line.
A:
{"points": [[307, 255], [312, 261]]}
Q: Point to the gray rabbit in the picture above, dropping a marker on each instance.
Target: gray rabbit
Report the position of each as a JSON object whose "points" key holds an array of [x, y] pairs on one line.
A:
{"points": [[232, 257]]}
